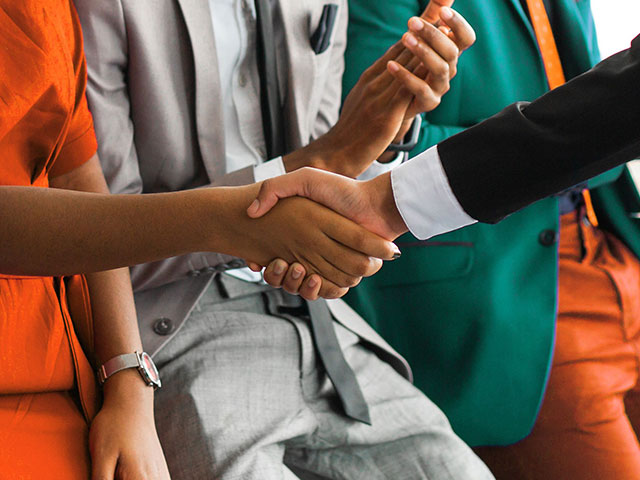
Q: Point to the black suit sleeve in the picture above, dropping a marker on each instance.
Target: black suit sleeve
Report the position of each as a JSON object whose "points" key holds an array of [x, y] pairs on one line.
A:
{"points": [[532, 150]]}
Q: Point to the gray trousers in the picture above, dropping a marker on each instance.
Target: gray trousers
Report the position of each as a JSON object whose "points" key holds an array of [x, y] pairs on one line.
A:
{"points": [[244, 397]]}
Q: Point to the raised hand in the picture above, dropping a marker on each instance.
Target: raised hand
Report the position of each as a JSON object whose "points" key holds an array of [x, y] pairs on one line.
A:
{"points": [[410, 78]]}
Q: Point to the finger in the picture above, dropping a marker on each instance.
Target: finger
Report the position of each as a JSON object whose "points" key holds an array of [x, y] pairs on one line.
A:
{"points": [[378, 66], [334, 263], [275, 189], [432, 13], [430, 38], [329, 290], [310, 288], [362, 241], [103, 466], [275, 272], [461, 32], [318, 185], [294, 278], [255, 267], [425, 97]]}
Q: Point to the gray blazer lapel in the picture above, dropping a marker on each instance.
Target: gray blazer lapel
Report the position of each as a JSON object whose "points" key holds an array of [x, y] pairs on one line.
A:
{"points": [[209, 116], [300, 70]]}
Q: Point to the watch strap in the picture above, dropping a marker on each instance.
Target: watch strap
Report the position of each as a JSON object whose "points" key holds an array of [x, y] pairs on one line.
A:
{"points": [[410, 140], [120, 362]]}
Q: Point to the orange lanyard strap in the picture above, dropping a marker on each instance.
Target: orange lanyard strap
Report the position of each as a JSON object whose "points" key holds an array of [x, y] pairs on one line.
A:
{"points": [[553, 69]]}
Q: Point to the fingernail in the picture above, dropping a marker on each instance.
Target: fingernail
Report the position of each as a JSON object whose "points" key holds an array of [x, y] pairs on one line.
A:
{"points": [[446, 13], [313, 281], [297, 273], [393, 66], [279, 268], [410, 40], [416, 24], [396, 252], [253, 208]]}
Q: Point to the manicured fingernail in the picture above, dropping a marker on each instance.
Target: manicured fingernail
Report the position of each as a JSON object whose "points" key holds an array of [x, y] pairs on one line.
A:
{"points": [[279, 268], [393, 66], [416, 24], [410, 40], [446, 13], [297, 273], [253, 208], [313, 282]]}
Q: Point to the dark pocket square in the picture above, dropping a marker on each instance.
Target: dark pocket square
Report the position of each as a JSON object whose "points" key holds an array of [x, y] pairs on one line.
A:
{"points": [[321, 38]]}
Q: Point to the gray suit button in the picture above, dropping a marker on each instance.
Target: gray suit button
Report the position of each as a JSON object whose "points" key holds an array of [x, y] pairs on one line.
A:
{"points": [[235, 263], [163, 326], [194, 273]]}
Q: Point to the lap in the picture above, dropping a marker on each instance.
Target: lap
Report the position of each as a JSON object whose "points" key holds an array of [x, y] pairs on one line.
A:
{"points": [[245, 396]]}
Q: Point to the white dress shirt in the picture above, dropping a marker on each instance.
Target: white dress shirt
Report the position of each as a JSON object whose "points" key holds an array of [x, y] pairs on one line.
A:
{"points": [[424, 197]]}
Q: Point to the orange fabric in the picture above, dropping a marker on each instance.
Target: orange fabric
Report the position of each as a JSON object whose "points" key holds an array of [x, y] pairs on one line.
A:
{"points": [[546, 43], [553, 69], [588, 424], [45, 130]]}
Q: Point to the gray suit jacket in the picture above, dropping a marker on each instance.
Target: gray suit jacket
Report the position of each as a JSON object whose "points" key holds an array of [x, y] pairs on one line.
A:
{"points": [[154, 91]]}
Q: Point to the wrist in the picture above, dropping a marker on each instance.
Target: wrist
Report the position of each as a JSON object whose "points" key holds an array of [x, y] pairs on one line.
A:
{"points": [[127, 388], [329, 152], [380, 192]]}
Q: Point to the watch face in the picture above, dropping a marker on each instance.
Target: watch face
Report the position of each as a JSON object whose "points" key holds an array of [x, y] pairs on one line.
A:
{"points": [[150, 370]]}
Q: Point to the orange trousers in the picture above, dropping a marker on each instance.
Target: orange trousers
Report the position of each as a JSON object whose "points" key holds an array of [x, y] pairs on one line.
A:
{"points": [[590, 416]]}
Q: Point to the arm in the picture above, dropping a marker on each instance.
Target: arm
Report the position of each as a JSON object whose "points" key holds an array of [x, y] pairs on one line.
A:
{"points": [[52, 232], [105, 42], [123, 435], [525, 153]]}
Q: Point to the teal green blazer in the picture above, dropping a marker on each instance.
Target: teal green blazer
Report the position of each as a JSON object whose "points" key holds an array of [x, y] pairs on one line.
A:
{"points": [[474, 310]]}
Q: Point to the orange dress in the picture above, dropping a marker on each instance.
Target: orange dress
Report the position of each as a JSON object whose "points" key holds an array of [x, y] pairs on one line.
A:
{"points": [[45, 130]]}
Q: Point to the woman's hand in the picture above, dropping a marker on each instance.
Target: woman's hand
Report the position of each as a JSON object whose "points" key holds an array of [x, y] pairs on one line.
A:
{"points": [[302, 231], [122, 439]]}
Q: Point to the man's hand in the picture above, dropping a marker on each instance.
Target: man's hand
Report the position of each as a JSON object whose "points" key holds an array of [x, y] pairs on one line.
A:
{"points": [[379, 110], [370, 204], [299, 230]]}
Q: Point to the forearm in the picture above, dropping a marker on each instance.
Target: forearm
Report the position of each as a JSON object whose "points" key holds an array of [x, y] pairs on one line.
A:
{"points": [[54, 232]]}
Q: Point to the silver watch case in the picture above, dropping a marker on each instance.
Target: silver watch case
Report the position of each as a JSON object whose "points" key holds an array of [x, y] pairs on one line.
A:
{"points": [[140, 360]]}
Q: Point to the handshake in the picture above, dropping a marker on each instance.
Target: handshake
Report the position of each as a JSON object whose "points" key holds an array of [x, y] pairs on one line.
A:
{"points": [[342, 230]]}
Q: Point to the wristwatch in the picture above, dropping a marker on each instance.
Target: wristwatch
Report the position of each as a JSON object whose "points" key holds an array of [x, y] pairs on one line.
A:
{"points": [[410, 140], [140, 360]]}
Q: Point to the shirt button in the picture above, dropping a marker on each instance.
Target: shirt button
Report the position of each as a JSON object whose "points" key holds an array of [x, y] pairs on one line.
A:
{"points": [[548, 237], [163, 326], [242, 80]]}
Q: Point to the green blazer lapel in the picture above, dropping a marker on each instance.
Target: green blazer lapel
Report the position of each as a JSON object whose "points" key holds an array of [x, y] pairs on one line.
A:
{"points": [[579, 41], [517, 5]]}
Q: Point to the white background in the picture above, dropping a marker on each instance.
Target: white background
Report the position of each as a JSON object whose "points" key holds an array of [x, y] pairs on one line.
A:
{"points": [[617, 23]]}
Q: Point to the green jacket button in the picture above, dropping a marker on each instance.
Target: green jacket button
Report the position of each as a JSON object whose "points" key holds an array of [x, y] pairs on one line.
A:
{"points": [[548, 237]]}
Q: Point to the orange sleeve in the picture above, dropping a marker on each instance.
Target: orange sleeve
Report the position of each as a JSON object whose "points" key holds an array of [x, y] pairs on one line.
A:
{"points": [[80, 144]]}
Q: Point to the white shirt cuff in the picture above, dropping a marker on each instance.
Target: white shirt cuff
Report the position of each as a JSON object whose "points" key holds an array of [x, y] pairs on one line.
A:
{"points": [[269, 169], [424, 197], [377, 168]]}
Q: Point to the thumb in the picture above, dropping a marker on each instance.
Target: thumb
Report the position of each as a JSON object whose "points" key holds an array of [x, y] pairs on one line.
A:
{"points": [[274, 189]]}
